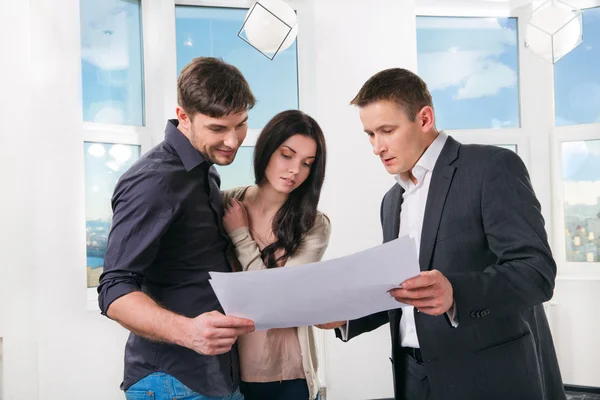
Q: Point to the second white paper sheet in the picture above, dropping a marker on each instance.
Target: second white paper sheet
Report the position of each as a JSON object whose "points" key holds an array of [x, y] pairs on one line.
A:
{"points": [[339, 289]]}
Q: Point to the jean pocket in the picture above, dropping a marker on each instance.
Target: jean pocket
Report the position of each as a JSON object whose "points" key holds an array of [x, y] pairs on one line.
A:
{"points": [[181, 391], [139, 395]]}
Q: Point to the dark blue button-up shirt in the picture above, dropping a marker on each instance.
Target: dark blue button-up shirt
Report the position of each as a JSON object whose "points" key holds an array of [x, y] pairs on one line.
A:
{"points": [[166, 236]]}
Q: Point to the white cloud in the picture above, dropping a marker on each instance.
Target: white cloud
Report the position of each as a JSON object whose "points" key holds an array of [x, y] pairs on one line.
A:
{"points": [[108, 112], [442, 70], [487, 81], [497, 124], [476, 71]]}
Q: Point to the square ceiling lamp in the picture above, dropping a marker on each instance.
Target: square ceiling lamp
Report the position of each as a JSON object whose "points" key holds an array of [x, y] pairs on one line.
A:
{"points": [[271, 26], [554, 30]]}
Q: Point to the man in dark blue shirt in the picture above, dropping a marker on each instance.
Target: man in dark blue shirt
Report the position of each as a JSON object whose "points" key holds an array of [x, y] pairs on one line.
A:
{"points": [[167, 235]]}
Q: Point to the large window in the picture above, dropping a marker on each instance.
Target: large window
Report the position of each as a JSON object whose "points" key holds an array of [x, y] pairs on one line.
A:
{"points": [[471, 67], [212, 31], [577, 145], [114, 126], [577, 77]]}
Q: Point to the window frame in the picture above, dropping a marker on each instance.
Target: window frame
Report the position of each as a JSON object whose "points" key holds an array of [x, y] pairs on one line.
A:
{"points": [[126, 134], [569, 270]]}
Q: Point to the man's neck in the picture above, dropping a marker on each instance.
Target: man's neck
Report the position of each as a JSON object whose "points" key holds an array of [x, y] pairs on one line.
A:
{"points": [[408, 175]]}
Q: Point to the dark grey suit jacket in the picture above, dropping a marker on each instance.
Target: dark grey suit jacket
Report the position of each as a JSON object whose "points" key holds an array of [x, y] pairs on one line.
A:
{"points": [[484, 231]]}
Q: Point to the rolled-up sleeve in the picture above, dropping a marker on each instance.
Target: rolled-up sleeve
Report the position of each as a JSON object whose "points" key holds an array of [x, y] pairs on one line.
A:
{"points": [[143, 209]]}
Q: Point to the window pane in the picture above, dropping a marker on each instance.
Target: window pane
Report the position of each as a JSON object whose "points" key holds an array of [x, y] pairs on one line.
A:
{"points": [[471, 68], [111, 62], [209, 31], [512, 147], [240, 172], [104, 164], [581, 185], [576, 78]]}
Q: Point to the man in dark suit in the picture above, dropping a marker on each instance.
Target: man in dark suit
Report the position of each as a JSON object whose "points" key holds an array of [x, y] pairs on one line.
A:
{"points": [[475, 328]]}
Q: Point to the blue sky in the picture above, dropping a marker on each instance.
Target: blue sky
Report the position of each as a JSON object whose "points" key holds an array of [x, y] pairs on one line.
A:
{"points": [[471, 68], [577, 77], [111, 62], [240, 172]]}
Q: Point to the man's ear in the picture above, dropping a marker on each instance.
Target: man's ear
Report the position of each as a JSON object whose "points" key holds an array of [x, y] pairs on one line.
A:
{"points": [[427, 118], [183, 117]]}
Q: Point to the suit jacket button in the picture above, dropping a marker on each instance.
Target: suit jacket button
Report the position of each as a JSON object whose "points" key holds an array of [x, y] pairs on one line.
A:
{"points": [[473, 314]]}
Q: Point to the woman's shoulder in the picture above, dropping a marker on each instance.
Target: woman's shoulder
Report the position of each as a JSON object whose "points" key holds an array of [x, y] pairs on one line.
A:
{"points": [[235, 193], [322, 226], [322, 219]]}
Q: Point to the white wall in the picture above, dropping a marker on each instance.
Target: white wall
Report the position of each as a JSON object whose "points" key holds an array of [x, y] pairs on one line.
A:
{"points": [[355, 39], [1, 370], [576, 328], [18, 319]]}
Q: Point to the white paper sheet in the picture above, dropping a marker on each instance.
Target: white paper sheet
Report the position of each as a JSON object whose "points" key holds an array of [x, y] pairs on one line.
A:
{"points": [[340, 289]]}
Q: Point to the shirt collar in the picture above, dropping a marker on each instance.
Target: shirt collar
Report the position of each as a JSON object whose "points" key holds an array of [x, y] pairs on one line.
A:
{"points": [[190, 157], [426, 163]]}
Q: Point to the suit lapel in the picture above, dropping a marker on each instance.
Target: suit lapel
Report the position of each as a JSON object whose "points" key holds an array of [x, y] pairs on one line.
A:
{"points": [[395, 215], [439, 186], [391, 224]]}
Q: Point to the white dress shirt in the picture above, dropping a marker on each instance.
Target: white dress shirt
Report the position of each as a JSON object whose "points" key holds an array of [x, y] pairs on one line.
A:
{"points": [[411, 221], [411, 224]]}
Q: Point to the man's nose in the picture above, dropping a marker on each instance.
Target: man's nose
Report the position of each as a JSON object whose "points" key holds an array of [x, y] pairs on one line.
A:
{"points": [[378, 146], [231, 140]]}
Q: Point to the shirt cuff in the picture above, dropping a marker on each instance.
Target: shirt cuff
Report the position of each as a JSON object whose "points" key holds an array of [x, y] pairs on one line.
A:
{"points": [[239, 235], [344, 331], [110, 291], [451, 313]]}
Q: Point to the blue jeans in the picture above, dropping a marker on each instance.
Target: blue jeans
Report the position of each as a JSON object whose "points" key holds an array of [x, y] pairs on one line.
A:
{"points": [[161, 386]]}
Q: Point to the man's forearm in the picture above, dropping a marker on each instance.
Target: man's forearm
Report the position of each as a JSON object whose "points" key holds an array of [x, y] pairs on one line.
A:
{"points": [[141, 315]]}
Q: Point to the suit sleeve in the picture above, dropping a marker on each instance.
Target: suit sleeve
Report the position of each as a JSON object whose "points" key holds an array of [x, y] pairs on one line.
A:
{"points": [[525, 271], [362, 325]]}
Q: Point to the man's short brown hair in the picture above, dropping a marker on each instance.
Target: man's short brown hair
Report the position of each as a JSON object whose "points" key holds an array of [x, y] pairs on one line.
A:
{"points": [[212, 87], [398, 85]]}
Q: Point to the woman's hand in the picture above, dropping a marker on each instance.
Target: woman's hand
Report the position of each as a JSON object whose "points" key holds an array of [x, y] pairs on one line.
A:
{"points": [[235, 216]]}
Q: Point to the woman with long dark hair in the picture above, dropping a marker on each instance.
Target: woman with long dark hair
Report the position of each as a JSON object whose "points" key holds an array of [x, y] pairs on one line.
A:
{"points": [[272, 224]]}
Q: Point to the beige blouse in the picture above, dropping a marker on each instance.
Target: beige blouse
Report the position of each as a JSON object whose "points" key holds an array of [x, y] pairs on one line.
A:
{"points": [[279, 354]]}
